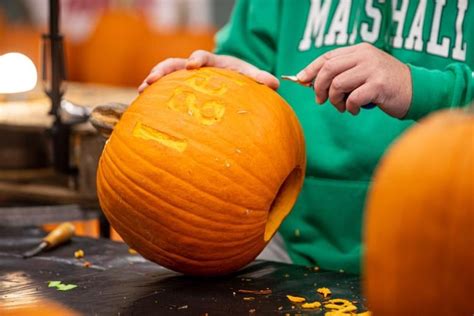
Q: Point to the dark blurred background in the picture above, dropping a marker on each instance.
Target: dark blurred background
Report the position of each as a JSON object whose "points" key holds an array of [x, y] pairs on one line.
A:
{"points": [[114, 41], [110, 46]]}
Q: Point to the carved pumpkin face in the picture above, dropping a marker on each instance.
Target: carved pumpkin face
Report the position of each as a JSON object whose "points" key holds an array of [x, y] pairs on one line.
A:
{"points": [[201, 170], [420, 221]]}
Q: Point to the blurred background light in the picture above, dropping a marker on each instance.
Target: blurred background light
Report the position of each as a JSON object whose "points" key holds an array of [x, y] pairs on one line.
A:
{"points": [[17, 73]]}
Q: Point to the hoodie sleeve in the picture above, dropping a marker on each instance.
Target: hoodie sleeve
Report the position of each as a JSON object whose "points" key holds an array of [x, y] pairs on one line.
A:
{"points": [[439, 89], [251, 33]]}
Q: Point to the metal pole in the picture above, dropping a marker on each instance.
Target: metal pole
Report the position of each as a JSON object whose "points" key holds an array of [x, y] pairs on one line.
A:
{"points": [[56, 58], [54, 72]]}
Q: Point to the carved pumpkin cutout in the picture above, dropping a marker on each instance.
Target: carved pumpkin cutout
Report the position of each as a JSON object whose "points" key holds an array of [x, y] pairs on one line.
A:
{"points": [[201, 170]]}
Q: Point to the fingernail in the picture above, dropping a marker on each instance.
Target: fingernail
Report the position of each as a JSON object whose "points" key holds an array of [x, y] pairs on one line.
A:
{"points": [[191, 62], [301, 76], [142, 87]]}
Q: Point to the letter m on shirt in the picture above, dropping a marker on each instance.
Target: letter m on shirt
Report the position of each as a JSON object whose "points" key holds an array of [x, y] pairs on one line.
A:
{"points": [[315, 24]]}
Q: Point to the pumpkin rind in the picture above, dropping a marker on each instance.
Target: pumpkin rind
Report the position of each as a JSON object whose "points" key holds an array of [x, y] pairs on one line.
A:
{"points": [[190, 173], [420, 221]]}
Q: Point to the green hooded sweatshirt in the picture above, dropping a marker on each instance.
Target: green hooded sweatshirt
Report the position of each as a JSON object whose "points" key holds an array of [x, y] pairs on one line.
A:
{"points": [[434, 37]]}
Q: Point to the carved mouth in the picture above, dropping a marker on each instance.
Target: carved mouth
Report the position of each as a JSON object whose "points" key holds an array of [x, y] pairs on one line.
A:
{"points": [[149, 133]]}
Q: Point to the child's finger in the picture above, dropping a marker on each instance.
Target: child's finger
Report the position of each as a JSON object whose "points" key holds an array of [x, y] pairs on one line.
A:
{"points": [[267, 79], [258, 75], [165, 67], [200, 58], [142, 87], [162, 69]]}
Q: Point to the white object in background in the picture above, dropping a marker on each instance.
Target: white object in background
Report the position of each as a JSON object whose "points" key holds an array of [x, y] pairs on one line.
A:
{"points": [[171, 15], [17, 73], [164, 15], [199, 15], [78, 17]]}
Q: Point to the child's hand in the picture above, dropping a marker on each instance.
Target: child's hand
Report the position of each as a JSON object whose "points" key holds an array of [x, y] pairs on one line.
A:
{"points": [[202, 58], [353, 76]]}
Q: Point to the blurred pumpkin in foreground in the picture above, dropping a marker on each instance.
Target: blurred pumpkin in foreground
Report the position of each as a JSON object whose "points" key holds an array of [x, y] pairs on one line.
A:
{"points": [[201, 170], [420, 221], [42, 307]]}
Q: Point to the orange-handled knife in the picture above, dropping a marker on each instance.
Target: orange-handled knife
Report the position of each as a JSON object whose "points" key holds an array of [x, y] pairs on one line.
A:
{"points": [[57, 236]]}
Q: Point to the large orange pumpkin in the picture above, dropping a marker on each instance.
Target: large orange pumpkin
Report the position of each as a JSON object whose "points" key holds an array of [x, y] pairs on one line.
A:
{"points": [[420, 222], [201, 170], [38, 307]]}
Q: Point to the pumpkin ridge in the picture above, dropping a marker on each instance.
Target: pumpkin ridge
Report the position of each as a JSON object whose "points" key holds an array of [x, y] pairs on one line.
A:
{"points": [[185, 182], [235, 207], [217, 136], [178, 208], [233, 181], [171, 250], [240, 168], [158, 251], [123, 201], [282, 112], [182, 197], [210, 174]]}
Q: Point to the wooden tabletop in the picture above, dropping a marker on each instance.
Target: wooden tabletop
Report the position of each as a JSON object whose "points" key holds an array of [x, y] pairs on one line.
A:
{"points": [[30, 110]]}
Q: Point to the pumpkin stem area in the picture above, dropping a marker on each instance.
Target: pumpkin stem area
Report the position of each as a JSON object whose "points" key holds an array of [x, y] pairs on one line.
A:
{"points": [[283, 202]]}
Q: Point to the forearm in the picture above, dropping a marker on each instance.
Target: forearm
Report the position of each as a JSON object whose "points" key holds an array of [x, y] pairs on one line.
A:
{"points": [[439, 89]]}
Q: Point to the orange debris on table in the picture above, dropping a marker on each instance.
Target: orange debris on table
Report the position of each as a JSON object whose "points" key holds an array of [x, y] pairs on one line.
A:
{"points": [[308, 305], [295, 299], [79, 254], [340, 306], [257, 292], [324, 291]]}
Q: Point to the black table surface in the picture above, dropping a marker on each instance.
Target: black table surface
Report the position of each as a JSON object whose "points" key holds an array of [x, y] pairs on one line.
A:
{"points": [[120, 283]]}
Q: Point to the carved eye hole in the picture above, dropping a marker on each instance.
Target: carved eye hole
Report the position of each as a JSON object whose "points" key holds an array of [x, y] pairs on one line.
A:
{"points": [[211, 113], [208, 111], [180, 100], [215, 85], [199, 80], [207, 84]]}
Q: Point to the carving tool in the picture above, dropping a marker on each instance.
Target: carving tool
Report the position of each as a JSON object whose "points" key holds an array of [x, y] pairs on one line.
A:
{"points": [[58, 236], [310, 84]]}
